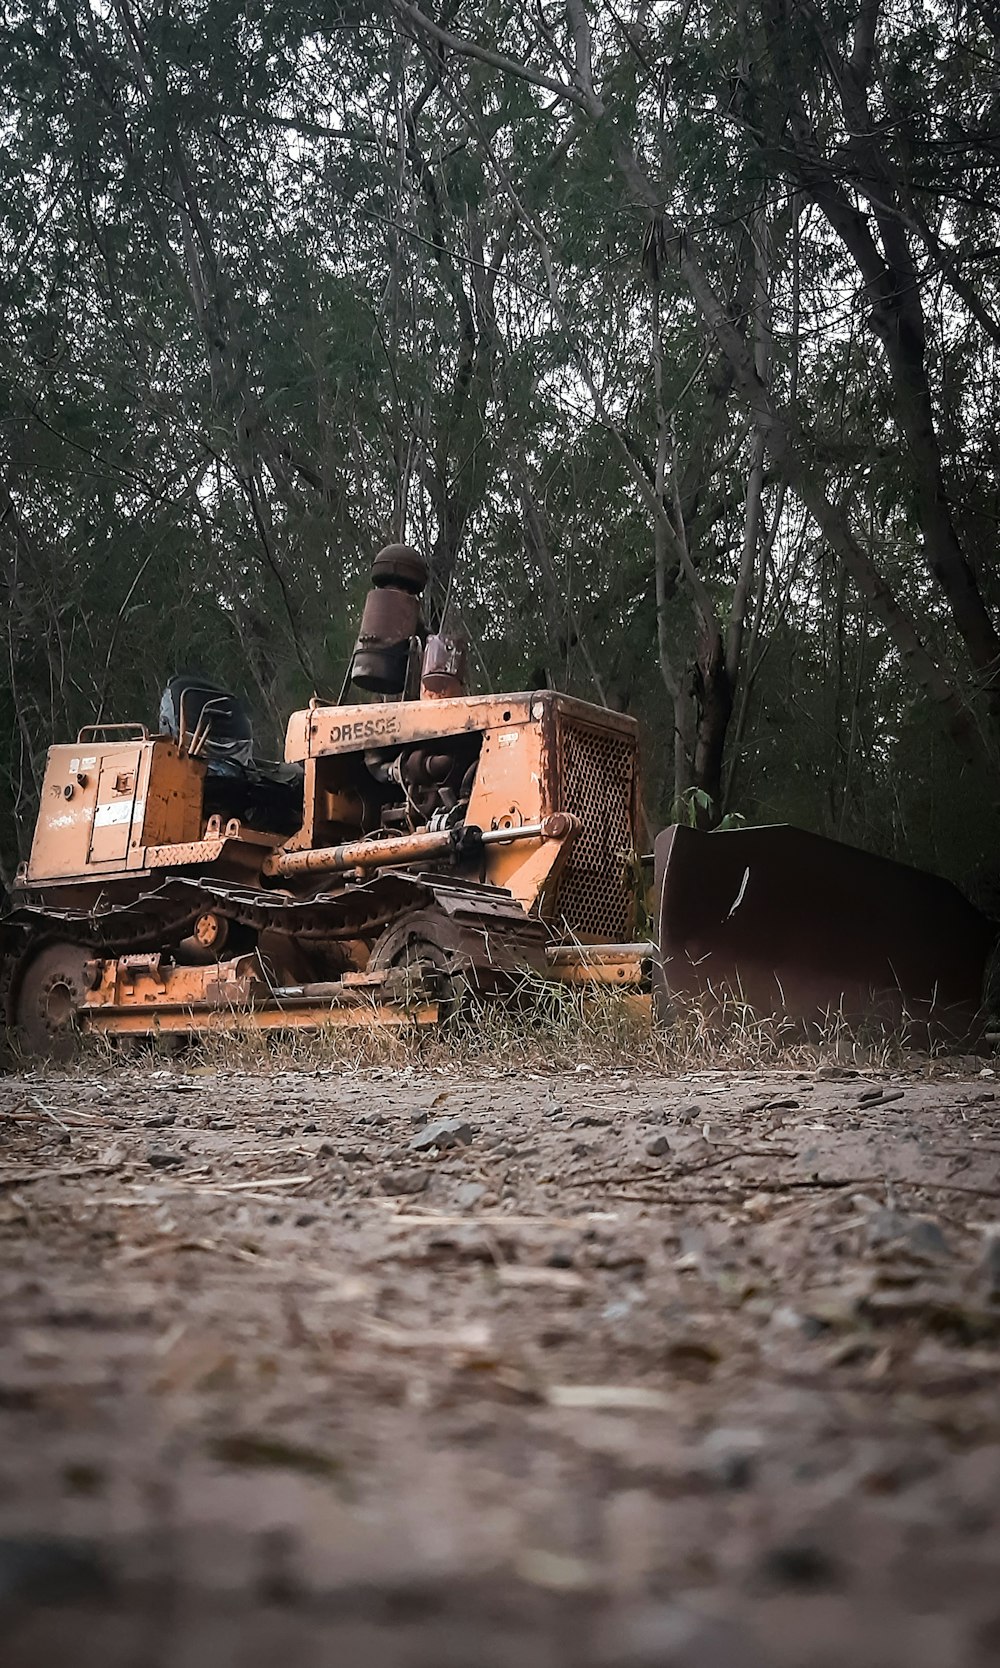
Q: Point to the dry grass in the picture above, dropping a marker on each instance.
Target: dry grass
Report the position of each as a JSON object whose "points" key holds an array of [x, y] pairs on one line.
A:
{"points": [[548, 1026]]}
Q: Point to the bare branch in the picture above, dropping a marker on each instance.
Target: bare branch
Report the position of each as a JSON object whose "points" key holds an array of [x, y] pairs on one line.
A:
{"points": [[465, 48]]}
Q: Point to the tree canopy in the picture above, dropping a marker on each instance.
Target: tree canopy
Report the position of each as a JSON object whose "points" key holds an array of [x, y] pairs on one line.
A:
{"points": [[668, 330]]}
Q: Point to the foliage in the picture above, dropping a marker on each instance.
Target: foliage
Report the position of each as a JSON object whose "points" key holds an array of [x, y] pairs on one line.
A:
{"points": [[280, 283]]}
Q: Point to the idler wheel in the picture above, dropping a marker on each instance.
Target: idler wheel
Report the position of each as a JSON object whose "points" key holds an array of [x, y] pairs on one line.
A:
{"points": [[49, 995]]}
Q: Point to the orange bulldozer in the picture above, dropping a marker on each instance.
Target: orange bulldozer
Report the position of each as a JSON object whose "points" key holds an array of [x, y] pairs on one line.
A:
{"points": [[419, 844]]}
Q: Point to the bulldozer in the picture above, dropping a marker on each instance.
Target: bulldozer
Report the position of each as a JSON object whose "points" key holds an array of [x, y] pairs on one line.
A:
{"points": [[419, 845]]}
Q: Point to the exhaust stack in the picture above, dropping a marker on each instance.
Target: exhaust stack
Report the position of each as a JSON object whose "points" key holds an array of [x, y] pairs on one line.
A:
{"points": [[392, 622]]}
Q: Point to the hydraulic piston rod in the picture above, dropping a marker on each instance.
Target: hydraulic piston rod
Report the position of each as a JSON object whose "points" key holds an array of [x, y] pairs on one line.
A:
{"points": [[413, 848]]}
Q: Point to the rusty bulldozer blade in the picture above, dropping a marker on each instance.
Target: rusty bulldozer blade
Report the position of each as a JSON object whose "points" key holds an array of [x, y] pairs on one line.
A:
{"points": [[810, 930]]}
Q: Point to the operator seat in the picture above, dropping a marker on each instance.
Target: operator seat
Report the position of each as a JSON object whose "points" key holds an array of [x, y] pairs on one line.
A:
{"points": [[193, 708], [262, 794]]}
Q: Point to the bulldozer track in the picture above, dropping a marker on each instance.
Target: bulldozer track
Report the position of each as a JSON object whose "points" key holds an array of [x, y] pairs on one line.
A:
{"points": [[376, 911]]}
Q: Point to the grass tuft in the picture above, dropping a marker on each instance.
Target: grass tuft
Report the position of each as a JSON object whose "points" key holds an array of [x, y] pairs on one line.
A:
{"points": [[542, 1026]]}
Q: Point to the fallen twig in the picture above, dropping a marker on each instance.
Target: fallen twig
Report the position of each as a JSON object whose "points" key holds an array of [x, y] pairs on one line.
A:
{"points": [[257, 1182], [556, 1279], [611, 1398], [496, 1220], [24, 1178]]}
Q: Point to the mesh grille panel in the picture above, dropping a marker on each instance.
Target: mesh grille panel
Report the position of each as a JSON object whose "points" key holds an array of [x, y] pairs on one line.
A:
{"points": [[596, 774]]}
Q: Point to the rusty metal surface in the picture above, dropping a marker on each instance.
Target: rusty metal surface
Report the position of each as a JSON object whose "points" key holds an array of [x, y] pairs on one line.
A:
{"points": [[600, 964], [140, 991], [413, 848], [160, 863], [104, 810], [308, 1016], [363, 854], [399, 564], [800, 926], [391, 621], [320, 729], [627, 970], [48, 999], [443, 672]]}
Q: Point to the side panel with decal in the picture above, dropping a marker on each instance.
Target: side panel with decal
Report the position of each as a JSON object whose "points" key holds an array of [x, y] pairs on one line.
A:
{"points": [[112, 825]]}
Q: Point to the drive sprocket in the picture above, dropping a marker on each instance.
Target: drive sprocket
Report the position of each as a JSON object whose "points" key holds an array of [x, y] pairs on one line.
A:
{"points": [[49, 991]]}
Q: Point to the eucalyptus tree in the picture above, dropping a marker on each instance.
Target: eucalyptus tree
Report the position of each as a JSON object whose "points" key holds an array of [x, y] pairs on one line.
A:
{"points": [[667, 330], [699, 112]]}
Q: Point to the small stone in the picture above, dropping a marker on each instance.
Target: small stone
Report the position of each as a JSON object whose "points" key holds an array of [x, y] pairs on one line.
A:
{"points": [[658, 1147], [161, 1121], [159, 1160], [916, 1236], [730, 1457], [404, 1181], [373, 1118], [624, 1258], [419, 1116], [443, 1133], [880, 1096], [689, 1113], [469, 1194], [798, 1564]]}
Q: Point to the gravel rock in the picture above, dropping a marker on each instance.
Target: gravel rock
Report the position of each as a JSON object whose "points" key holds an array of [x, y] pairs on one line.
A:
{"points": [[730, 1457], [658, 1147], [799, 1564], [404, 1181], [159, 1160], [443, 1133], [918, 1237], [880, 1097]]}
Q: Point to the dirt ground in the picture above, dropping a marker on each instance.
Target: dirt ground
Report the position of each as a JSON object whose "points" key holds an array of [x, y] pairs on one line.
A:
{"points": [[603, 1370]]}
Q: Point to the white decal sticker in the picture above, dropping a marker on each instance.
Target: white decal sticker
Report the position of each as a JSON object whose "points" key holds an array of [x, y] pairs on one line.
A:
{"points": [[74, 766], [106, 816], [507, 738], [88, 764]]}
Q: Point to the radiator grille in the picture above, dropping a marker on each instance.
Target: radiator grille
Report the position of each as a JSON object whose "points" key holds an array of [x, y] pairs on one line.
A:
{"points": [[594, 897]]}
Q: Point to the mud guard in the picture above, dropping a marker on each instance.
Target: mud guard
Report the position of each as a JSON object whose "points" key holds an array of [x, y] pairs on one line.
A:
{"points": [[804, 928]]}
